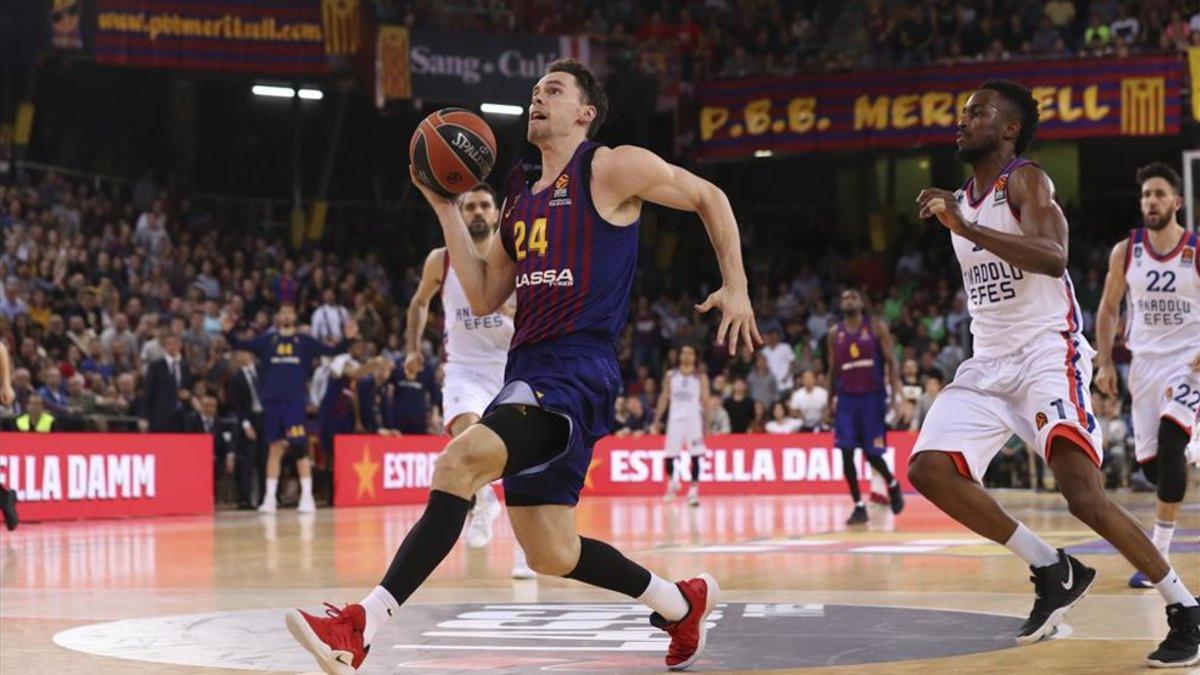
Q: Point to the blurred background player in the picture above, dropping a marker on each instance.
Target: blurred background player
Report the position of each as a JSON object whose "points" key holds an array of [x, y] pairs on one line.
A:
{"points": [[685, 395], [1158, 267], [859, 357], [287, 358], [8, 498], [476, 351], [1028, 374]]}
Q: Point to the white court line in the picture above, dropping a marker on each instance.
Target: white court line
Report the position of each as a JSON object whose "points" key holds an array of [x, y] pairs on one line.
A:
{"points": [[510, 648]]}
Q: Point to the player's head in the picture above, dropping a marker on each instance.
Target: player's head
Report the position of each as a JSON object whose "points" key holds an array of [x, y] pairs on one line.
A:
{"points": [[998, 113], [567, 100], [687, 356], [480, 211], [285, 316], [851, 302], [1160, 188]]}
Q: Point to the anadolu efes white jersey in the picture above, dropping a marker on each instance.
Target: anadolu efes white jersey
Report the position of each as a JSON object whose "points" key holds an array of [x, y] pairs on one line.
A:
{"points": [[685, 398], [1009, 306], [470, 339], [1164, 295]]}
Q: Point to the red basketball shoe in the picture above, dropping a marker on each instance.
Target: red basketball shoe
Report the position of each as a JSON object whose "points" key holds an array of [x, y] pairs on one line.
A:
{"points": [[689, 633], [335, 642]]}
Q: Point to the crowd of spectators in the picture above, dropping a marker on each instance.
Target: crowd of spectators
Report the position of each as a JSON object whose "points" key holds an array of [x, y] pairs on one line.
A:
{"points": [[715, 38], [99, 284]]}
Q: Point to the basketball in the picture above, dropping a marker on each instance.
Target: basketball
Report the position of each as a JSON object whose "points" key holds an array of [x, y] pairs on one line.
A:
{"points": [[453, 151]]}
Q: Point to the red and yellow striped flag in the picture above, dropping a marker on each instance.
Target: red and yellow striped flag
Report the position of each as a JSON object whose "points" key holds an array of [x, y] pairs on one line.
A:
{"points": [[392, 76], [343, 26]]}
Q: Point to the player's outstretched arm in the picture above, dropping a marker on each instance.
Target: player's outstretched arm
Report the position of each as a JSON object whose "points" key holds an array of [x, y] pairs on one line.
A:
{"points": [[487, 281], [664, 396], [628, 173], [1041, 248], [889, 360], [418, 307], [1108, 318]]}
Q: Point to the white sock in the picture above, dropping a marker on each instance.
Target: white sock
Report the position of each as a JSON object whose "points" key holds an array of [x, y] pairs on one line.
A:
{"points": [[306, 487], [1173, 591], [380, 607], [272, 487], [1031, 548], [665, 598], [519, 556], [1163, 531], [484, 498]]}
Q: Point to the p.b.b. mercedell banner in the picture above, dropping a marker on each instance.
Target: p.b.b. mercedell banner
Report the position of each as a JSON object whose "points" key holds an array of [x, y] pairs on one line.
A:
{"points": [[908, 107]]}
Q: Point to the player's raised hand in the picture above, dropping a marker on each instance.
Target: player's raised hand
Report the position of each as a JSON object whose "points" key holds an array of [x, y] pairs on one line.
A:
{"points": [[1106, 378], [228, 320], [942, 204], [1196, 364], [350, 329], [435, 200], [737, 318]]}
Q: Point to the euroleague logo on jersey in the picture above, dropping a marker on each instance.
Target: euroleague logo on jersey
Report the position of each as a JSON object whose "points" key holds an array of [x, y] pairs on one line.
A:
{"points": [[560, 278]]}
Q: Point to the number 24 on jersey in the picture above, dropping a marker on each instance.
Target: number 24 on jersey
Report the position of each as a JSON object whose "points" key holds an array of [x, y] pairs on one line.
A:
{"points": [[537, 238]]}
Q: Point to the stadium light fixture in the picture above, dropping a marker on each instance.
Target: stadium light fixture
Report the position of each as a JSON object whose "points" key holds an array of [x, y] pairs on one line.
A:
{"points": [[271, 90], [763, 153], [501, 109], [311, 94]]}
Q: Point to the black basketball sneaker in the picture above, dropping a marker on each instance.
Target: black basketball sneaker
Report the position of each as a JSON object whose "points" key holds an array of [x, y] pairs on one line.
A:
{"points": [[896, 497], [8, 505], [858, 517], [1058, 587], [1181, 648]]}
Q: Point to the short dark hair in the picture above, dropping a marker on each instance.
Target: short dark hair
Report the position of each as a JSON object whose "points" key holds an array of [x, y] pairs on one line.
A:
{"points": [[593, 90], [1024, 105], [1160, 170], [484, 187]]}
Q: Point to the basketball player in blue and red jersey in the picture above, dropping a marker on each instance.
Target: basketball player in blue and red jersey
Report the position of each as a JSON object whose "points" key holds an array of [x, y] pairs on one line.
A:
{"points": [[287, 358], [1028, 375], [859, 356], [568, 247]]}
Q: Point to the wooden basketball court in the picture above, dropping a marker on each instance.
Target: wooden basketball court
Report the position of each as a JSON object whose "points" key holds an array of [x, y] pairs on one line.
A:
{"points": [[898, 596]]}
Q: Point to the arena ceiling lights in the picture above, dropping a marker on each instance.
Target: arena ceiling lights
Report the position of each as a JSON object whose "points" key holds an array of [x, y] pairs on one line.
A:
{"points": [[501, 109], [276, 91]]}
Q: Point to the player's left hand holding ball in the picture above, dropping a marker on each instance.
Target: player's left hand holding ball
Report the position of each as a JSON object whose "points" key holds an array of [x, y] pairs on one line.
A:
{"points": [[737, 318], [942, 204], [435, 200]]}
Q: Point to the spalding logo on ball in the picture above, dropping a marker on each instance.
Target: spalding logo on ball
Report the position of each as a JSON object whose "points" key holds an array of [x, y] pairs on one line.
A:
{"points": [[453, 151]]}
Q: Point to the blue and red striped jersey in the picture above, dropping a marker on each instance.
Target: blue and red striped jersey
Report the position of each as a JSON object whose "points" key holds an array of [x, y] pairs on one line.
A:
{"points": [[574, 269]]}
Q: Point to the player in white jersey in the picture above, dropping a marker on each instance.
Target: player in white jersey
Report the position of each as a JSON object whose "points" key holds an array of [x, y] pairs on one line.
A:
{"points": [[476, 352], [1158, 268], [1029, 372], [685, 395]]}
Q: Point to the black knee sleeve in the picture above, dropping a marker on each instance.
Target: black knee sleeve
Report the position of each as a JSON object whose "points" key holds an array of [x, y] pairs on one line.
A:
{"points": [[1172, 462], [531, 436], [670, 468], [1150, 470], [851, 474], [695, 468]]}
